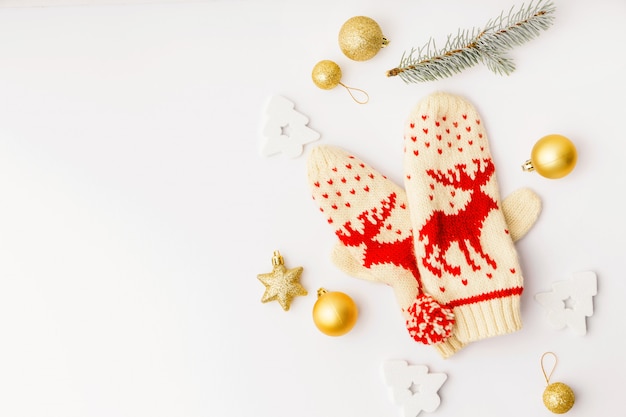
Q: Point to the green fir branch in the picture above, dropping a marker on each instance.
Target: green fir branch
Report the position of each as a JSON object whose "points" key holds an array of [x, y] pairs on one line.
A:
{"points": [[472, 46]]}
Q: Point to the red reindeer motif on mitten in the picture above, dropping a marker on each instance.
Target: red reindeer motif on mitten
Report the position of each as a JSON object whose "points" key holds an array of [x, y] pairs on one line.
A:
{"points": [[462, 238], [376, 252], [369, 215], [463, 227]]}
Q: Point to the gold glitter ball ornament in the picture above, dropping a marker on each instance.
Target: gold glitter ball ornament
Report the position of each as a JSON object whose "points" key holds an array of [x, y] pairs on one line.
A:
{"points": [[334, 313], [558, 397], [326, 74], [553, 156], [282, 284], [360, 38]]}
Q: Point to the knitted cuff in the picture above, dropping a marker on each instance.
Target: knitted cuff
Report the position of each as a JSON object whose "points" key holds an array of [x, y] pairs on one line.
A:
{"points": [[488, 318], [449, 346]]}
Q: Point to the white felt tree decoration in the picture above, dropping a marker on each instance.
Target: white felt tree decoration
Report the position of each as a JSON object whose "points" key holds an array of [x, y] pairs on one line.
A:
{"points": [[570, 302], [412, 387], [285, 129]]}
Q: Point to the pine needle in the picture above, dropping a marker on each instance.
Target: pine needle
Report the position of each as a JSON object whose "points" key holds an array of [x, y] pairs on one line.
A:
{"points": [[470, 47]]}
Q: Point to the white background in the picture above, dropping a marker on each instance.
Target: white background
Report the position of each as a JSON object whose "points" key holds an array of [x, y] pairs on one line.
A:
{"points": [[136, 210]]}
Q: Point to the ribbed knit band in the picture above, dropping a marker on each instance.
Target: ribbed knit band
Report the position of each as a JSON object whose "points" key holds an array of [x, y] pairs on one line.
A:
{"points": [[489, 318], [449, 347]]}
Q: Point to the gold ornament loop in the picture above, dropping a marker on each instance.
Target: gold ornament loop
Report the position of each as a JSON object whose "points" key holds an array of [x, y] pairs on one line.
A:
{"points": [[350, 89], [548, 376], [277, 259]]}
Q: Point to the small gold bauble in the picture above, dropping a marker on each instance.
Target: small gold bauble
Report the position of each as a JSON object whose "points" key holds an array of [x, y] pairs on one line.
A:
{"points": [[360, 38], [558, 398], [326, 74], [553, 156], [334, 313]]}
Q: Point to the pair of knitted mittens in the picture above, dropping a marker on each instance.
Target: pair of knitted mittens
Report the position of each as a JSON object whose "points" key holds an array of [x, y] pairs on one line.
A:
{"points": [[445, 245]]}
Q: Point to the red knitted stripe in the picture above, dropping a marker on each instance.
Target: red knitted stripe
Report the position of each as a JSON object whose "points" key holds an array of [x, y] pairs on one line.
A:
{"points": [[508, 292]]}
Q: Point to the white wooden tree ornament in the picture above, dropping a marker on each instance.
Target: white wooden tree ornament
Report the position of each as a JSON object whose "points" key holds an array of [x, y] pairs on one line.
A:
{"points": [[570, 302], [284, 129], [412, 387]]}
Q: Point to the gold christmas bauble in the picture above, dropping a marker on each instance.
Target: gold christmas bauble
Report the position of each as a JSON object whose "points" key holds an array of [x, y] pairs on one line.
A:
{"points": [[553, 156], [558, 397], [334, 312], [360, 38], [326, 74]]}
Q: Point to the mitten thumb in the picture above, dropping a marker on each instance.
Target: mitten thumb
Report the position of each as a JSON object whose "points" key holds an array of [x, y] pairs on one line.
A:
{"points": [[521, 210]]}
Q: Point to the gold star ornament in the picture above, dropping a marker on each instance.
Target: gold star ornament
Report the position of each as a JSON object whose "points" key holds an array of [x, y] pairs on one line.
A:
{"points": [[282, 284]]}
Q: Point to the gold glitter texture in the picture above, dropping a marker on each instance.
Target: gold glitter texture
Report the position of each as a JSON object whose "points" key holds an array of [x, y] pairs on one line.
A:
{"points": [[282, 284], [558, 398], [326, 74], [360, 38]]}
